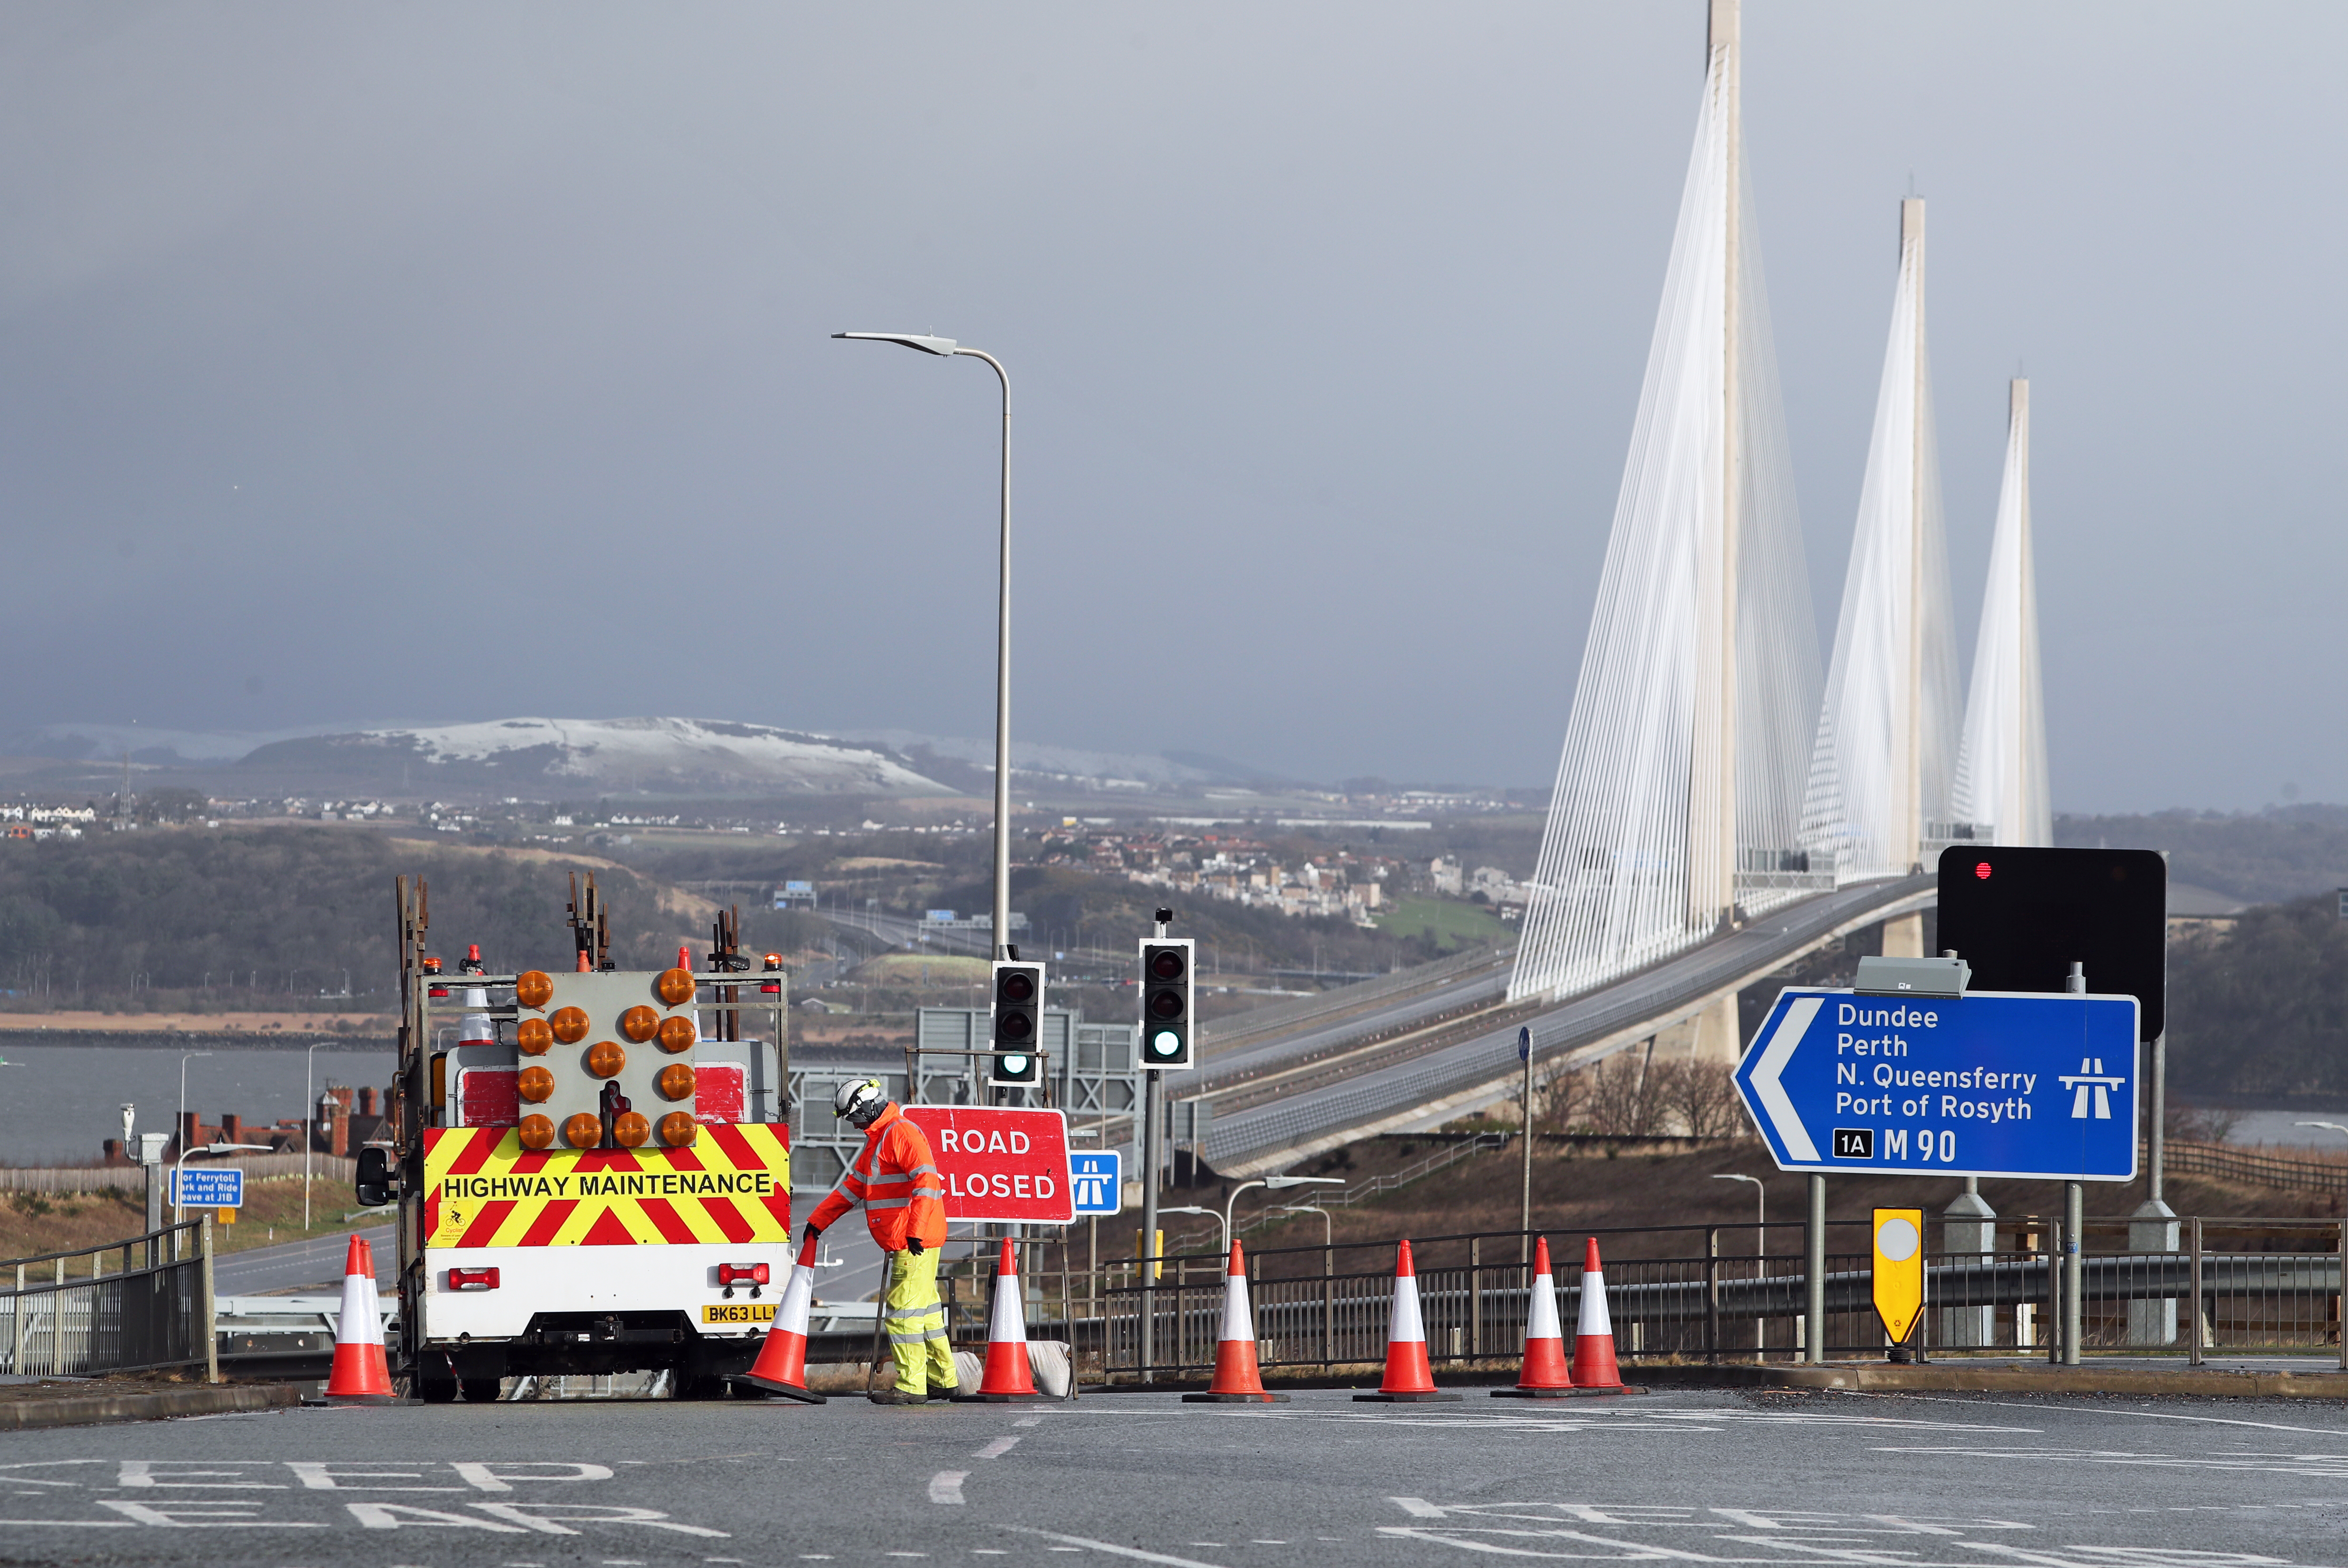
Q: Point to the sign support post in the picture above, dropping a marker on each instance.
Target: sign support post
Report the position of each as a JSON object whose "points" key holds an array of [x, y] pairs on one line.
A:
{"points": [[1813, 1269], [1525, 1055]]}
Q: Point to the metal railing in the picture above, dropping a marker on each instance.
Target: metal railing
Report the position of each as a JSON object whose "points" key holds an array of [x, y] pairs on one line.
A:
{"points": [[153, 1311], [2227, 1286], [2255, 1168]]}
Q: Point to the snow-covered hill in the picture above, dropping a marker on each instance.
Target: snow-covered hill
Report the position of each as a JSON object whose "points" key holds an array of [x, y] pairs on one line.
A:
{"points": [[608, 756]]}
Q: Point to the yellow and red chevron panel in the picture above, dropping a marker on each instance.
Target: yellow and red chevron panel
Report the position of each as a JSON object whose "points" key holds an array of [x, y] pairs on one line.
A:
{"points": [[483, 1188]]}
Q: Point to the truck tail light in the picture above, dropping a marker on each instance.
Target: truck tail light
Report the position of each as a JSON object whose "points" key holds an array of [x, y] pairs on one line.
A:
{"points": [[743, 1274], [472, 1279]]}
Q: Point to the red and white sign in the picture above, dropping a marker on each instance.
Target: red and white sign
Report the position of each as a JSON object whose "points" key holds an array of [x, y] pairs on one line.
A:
{"points": [[1001, 1164]]}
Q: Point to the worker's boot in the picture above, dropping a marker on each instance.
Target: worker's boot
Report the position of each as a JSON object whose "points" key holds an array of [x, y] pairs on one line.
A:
{"points": [[896, 1397], [950, 1391]]}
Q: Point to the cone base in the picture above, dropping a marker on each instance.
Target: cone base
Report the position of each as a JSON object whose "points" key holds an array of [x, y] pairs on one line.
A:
{"points": [[357, 1400], [1235, 1398], [769, 1386], [983, 1398], [1428, 1396], [1566, 1393]]}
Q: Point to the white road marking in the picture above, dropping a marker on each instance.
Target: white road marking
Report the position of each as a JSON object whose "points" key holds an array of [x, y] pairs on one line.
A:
{"points": [[946, 1486], [2332, 1467], [997, 1448], [2148, 1415], [1028, 1421], [1113, 1550]]}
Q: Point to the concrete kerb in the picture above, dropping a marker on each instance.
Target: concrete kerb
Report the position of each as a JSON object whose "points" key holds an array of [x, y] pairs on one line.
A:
{"points": [[91, 1405], [1862, 1376]]}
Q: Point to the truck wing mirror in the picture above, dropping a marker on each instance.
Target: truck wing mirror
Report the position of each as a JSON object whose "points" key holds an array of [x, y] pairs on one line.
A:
{"points": [[374, 1178]]}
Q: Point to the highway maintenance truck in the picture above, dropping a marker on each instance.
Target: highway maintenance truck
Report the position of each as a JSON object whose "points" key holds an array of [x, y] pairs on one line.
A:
{"points": [[591, 1165]]}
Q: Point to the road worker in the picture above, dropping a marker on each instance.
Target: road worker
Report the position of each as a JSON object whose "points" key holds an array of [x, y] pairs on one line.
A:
{"points": [[895, 1177]]}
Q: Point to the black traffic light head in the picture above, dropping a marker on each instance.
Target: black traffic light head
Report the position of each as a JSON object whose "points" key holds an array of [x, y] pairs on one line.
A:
{"points": [[1166, 999], [1017, 1021], [2021, 917]]}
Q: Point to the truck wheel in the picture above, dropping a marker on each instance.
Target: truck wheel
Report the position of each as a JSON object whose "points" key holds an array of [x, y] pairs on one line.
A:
{"points": [[479, 1390], [701, 1387], [441, 1390]]}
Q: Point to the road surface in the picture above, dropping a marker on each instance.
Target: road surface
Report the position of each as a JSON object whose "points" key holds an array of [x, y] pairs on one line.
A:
{"points": [[313, 1266], [1786, 1482]]}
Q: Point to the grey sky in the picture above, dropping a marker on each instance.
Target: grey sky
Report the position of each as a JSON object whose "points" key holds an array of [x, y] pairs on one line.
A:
{"points": [[449, 361]]}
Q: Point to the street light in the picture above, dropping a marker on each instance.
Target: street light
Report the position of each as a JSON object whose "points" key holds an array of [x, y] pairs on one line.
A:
{"points": [[1760, 1249], [1275, 1182], [1328, 1229], [947, 347], [1215, 1215], [2327, 1126], [309, 1114], [180, 1130]]}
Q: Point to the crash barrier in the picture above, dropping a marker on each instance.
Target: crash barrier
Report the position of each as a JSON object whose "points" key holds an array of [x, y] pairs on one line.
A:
{"points": [[135, 1305], [133, 1177], [1707, 1292], [1218, 1034], [1377, 1096]]}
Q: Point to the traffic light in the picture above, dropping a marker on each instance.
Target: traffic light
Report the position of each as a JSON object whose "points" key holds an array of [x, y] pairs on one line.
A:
{"points": [[1018, 1018], [1166, 1002]]}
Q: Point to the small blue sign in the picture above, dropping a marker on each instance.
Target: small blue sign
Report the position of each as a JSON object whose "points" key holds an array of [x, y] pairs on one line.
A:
{"points": [[1988, 1084], [209, 1187], [1096, 1177]]}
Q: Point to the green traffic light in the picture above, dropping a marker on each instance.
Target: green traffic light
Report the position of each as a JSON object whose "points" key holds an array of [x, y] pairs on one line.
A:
{"points": [[1166, 1043]]}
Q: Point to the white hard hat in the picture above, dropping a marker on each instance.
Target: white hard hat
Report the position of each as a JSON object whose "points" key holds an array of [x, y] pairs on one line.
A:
{"points": [[859, 1101]]}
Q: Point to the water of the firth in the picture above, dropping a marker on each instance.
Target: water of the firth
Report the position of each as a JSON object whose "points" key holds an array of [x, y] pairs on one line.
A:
{"points": [[59, 1103]]}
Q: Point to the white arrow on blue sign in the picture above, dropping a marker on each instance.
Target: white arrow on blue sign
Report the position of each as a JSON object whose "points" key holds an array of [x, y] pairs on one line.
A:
{"points": [[1988, 1084], [217, 1187], [1097, 1177]]}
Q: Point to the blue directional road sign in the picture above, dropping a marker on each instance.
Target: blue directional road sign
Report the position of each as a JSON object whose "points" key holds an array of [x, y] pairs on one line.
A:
{"points": [[209, 1187], [1988, 1084], [1096, 1177]]}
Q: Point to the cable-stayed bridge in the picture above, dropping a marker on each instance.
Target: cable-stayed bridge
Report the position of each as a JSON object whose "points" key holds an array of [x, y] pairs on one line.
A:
{"points": [[1726, 801]]}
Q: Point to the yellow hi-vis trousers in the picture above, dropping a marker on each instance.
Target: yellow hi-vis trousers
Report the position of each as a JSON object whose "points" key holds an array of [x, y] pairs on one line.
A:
{"points": [[916, 1321]]}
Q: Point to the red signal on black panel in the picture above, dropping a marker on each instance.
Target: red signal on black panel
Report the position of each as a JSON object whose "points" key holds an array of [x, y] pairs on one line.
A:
{"points": [[1980, 869]]}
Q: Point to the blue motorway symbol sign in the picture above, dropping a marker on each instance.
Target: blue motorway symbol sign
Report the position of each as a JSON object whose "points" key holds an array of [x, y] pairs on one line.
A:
{"points": [[1096, 1177], [1987, 1084], [209, 1187]]}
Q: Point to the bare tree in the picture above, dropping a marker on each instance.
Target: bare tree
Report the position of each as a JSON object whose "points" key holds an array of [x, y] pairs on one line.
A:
{"points": [[1615, 1095]]}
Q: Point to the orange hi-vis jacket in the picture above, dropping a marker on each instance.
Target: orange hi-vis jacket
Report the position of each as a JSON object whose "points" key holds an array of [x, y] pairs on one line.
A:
{"points": [[895, 1177]]}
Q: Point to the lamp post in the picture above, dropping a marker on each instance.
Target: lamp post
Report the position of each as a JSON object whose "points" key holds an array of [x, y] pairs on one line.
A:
{"points": [[2327, 1126], [1760, 1251], [309, 1115], [947, 347], [180, 1133], [1276, 1183], [1328, 1229], [1215, 1215]]}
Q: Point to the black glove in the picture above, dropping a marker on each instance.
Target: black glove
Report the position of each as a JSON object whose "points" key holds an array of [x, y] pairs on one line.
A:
{"points": [[913, 1245], [811, 1235]]}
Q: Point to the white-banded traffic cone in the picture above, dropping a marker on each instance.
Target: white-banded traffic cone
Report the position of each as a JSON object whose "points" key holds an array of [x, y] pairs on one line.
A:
{"points": [[1238, 1379], [1007, 1378], [781, 1367], [1408, 1375], [1545, 1375], [1594, 1371], [360, 1375]]}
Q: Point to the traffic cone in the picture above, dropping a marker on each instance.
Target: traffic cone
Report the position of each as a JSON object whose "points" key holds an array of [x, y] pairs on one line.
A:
{"points": [[1007, 1378], [1593, 1336], [360, 1376], [1408, 1376], [781, 1367], [1237, 1379], [1545, 1375]]}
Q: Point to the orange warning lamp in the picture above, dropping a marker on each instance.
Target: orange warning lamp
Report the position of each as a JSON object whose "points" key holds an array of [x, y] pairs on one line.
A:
{"points": [[584, 1130], [605, 1058], [535, 1084], [630, 1130], [640, 1024], [570, 1025], [534, 1036], [677, 1034], [678, 1129], [676, 1081], [535, 989], [537, 1132], [674, 986]]}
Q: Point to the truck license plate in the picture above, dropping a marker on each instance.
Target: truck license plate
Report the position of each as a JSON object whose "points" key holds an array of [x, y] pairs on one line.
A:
{"points": [[739, 1312]]}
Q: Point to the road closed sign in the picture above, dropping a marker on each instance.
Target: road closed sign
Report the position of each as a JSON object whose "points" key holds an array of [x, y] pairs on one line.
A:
{"points": [[1000, 1165]]}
